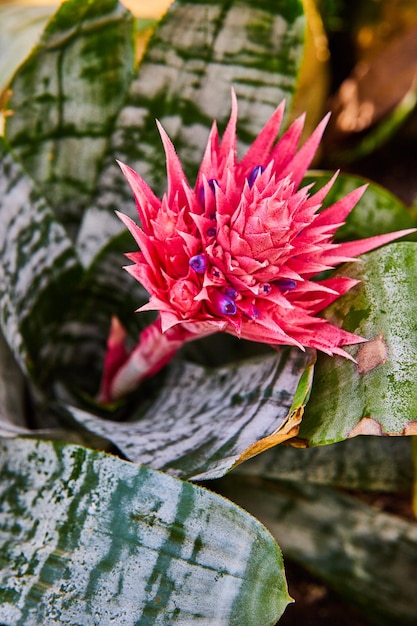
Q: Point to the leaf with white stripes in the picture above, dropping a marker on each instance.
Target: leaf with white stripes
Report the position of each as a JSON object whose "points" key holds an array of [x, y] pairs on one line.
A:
{"points": [[65, 98], [204, 420], [86, 538], [39, 269]]}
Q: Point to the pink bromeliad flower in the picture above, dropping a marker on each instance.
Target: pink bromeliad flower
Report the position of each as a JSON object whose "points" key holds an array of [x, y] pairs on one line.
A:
{"points": [[238, 253]]}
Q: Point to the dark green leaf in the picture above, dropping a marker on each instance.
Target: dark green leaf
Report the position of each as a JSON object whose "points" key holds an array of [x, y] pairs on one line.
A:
{"points": [[381, 464], [89, 539], [378, 394], [367, 556]]}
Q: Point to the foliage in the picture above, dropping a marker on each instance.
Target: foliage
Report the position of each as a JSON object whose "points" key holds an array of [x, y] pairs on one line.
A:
{"points": [[92, 529]]}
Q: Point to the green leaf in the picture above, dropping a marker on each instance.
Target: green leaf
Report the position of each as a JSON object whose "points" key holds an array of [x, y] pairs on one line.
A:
{"points": [[366, 555], [20, 29], [65, 100], [38, 270], [87, 538], [198, 52], [382, 464], [377, 212], [205, 420], [378, 394]]}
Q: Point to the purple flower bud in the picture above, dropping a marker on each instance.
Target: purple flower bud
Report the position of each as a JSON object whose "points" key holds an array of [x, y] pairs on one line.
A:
{"points": [[254, 175], [211, 232], [285, 284], [225, 304], [231, 292], [198, 263], [212, 183], [265, 288]]}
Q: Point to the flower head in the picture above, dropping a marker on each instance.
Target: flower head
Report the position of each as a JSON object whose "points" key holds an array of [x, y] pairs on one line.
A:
{"points": [[239, 253]]}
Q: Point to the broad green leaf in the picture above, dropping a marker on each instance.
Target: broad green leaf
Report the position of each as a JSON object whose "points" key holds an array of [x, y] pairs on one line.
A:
{"points": [[20, 29], [382, 464], [198, 52], [89, 539], [377, 395], [377, 212], [205, 420], [38, 270], [366, 555], [66, 97]]}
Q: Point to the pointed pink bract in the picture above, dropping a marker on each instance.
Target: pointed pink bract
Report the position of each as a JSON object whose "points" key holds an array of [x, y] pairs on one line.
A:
{"points": [[237, 252]]}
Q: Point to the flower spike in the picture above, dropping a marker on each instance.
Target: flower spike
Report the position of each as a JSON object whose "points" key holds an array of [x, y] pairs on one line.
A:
{"points": [[239, 253]]}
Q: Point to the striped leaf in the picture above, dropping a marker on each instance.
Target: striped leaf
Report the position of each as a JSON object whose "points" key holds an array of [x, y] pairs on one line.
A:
{"points": [[377, 395], [198, 52], [89, 539], [65, 99], [38, 270], [12, 393], [205, 420], [366, 555]]}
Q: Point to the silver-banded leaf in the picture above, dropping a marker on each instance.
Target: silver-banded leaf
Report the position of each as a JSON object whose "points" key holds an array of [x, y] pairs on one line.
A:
{"points": [[382, 464], [377, 212], [198, 52], [364, 554], [205, 420], [89, 539], [39, 269], [65, 98], [12, 393], [378, 394]]}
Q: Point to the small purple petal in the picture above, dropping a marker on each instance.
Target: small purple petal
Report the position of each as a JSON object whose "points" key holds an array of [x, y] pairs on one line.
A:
{"points": [[265, 288], [211, 232], [213, 183], [254, 175], [198, 263], [285, 284], [201, 196], [231, 292], [226, 305]]}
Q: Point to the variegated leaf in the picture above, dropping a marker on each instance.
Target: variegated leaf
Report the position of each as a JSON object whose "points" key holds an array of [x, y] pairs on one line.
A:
{"points": [[65, 99], [206, 420], [366, 555], [89, 539], [39, 269], [377, 395]]}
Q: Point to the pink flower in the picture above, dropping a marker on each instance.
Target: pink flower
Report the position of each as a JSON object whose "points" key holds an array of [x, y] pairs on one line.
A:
{"points": [[239, 253]]}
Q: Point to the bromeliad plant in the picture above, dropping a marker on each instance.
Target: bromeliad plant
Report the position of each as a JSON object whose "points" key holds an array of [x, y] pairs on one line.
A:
{"points": [[92, 531], [237, 253]]}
